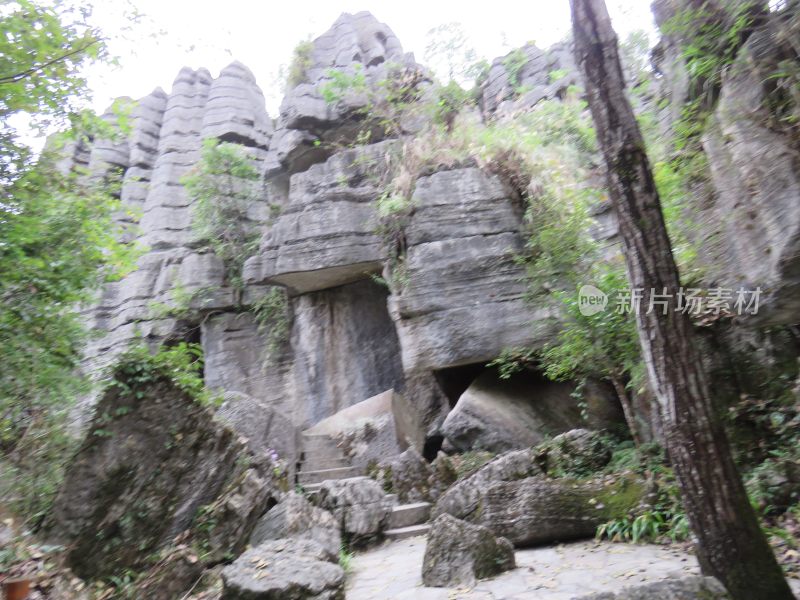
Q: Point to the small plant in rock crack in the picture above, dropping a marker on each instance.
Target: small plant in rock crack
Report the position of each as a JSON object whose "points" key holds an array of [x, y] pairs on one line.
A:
{"points": [[341, 83], [273, 316], [346, 559]]}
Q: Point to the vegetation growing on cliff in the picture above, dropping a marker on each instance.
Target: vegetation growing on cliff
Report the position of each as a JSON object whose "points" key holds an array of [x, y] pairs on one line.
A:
{"points": [[224, 185], [59, 240]]}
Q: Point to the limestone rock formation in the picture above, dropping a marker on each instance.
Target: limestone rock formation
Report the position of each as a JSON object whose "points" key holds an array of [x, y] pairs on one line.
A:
{"points": [[285, 569], [505, 414], [295, 517], [748, 216], [333, 310], [309, 126], [459, 553], [525, 76], [326, 234], [463, 302], [359, 505], [463, 499], [151, 469], [537, 510], [411, 477], [687, 588]]}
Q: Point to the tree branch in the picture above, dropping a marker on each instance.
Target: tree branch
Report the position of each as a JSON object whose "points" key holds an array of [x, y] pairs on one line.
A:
{"points": [[4, 79]]}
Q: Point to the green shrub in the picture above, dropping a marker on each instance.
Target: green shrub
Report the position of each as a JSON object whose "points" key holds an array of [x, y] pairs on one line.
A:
{"points": [[181, 363], [514, 62], [341, 83], [272, 314], [223, 186], [300, 63]]}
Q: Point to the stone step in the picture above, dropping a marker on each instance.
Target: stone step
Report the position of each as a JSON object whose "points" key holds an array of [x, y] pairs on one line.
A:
{"points": [[324, 462], [306, 477], [318, 444], [406, 532], [392, 499], [407, 515]]}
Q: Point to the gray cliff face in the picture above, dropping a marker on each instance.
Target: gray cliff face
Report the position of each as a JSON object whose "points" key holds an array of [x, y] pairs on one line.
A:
{"points": [[461, 298], [749, 217]]}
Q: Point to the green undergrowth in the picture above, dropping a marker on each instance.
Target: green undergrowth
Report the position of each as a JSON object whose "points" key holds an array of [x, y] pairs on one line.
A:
{"points": [[181, 364]]}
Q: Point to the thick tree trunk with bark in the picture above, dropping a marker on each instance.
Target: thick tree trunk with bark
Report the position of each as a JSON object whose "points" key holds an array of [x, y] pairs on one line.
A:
{"points": [[730, 543]]}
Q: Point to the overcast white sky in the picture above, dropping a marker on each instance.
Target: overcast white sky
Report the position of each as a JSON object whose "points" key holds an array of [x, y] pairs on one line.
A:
{"points": [[262, 34]]}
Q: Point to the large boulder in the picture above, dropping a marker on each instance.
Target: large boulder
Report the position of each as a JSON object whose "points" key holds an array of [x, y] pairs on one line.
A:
{"points": [[155, 465], [464, 497], [506, 414], [459, 553], [365, 432], [285, 569], [295, 517], [358, 504], [538, 510], [687, 588]]}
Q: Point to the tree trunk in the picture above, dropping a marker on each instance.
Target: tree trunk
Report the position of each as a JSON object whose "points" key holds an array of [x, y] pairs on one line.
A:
{"points": [[730, 543], [627, 410]]}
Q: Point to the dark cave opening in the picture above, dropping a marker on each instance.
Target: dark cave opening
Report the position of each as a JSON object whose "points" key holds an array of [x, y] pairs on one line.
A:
{"points": [[454, 381]]}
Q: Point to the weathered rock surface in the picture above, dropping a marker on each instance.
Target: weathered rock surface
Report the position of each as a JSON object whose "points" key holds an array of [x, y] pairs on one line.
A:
{"points": [[411, 477], [359, 505], [577, 452], [464, 497], [326, 235], [525, 76], [748, 217], [286, 569], [537, 510], [295, 517], [344, 349], [166, 134], [147, 467], [687, 588], [310, 127], [365, 432], [755, 165], [459, 553], [463, 302], [504, 414]]}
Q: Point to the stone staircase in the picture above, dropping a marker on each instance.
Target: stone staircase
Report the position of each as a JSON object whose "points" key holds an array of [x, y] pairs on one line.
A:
{"points": [[408, 520], [322, 460]]}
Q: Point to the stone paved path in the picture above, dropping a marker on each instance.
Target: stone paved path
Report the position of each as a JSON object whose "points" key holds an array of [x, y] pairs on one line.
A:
{"points": [[393, 571]]}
